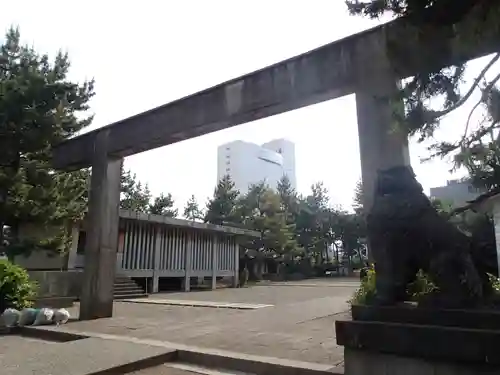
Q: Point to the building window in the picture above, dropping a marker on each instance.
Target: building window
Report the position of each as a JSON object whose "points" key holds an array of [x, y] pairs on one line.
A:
{"points": [[228, 162], [228, 170]]}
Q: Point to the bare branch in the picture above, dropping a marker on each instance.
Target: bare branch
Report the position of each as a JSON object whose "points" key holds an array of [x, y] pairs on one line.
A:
{"points": [[466, 97]]}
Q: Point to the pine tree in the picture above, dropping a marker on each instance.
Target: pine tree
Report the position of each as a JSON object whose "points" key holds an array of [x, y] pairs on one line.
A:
{"points": [[288, 198], [163, 205], [358, 201], [271, 219], [134, 195], [313, 222], [192, 210], [221, 208], [39, 107]]}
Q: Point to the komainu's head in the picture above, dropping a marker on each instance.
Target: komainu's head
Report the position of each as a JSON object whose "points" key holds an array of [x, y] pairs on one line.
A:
{"points": [[398, 179]]}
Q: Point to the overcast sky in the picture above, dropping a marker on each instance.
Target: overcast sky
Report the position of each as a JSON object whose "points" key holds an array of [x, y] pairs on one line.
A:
{"points": [[146, 53]]}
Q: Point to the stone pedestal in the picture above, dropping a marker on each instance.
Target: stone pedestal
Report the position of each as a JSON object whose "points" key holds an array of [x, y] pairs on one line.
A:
{"points": [[409, 340]]}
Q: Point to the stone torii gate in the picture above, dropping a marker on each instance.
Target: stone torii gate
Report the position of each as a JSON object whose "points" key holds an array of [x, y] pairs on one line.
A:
{"points": [[363, 64]]}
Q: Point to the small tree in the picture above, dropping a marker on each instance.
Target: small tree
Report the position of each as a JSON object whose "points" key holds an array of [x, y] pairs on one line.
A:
{"points": [[221, 208], [358, 201], [313, 222], [192, 210], [261, 210], [134, 195], [288, 199], [271, 221], [163, 205]]}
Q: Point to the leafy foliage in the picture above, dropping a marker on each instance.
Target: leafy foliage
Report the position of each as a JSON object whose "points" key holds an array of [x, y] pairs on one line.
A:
{"points": [[270, 219], [417, 11], [39, 107], [192, 210], [477, 148], [163, 205], [221, 208], [296, 231], [358, 201], [16, 289], [366, 293], [134, 195], [137, 197]]}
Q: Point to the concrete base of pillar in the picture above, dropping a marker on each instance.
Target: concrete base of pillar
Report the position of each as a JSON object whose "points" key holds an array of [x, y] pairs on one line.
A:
{"points": [[236, 281], [156, 282], [186, 284]]}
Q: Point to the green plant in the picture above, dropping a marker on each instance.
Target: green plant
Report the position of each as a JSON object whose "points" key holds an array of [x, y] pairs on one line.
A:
{"points": [[495, 283], [421, 286], [16, 288], [367, 291]]}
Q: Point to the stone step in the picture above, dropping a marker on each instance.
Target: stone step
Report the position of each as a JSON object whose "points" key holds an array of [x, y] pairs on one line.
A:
{"points": [[197, 369], [128, 292], [126, 288], [129, 296], [133, 286], [181, 368], [124, 282]]}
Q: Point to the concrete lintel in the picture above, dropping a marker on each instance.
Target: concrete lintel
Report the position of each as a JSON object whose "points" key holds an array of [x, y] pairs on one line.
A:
{"points": [[328, 72]]}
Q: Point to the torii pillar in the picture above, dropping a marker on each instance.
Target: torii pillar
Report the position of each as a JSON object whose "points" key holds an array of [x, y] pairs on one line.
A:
{"points": [[102, 232], [382, 142]]}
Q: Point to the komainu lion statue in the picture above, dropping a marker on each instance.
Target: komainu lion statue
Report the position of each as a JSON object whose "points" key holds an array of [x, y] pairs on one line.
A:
{"points": [[407, 235]]}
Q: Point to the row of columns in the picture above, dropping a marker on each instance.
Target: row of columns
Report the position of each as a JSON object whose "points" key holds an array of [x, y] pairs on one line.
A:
{"points": [[214, 266]]}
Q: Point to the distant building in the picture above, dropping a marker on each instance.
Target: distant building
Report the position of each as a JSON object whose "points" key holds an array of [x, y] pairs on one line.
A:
{"points": [[248, 163], [456, 192]]}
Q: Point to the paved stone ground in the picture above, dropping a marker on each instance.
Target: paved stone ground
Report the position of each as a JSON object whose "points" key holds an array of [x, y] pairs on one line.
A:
{"points": [[23, 356], [300, 325]]}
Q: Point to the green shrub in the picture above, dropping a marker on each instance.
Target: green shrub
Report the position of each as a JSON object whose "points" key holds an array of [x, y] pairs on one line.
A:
{"points": [[16, 288], [367, 291], [495, 283]]}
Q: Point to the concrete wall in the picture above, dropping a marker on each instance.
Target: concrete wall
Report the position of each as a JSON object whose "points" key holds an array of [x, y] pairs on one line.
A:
{"points": [[358, 362], [58, 283], [40, 260]]}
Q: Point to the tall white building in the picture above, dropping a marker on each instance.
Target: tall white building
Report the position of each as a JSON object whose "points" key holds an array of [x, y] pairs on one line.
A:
{"points": [[248, 163]]}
